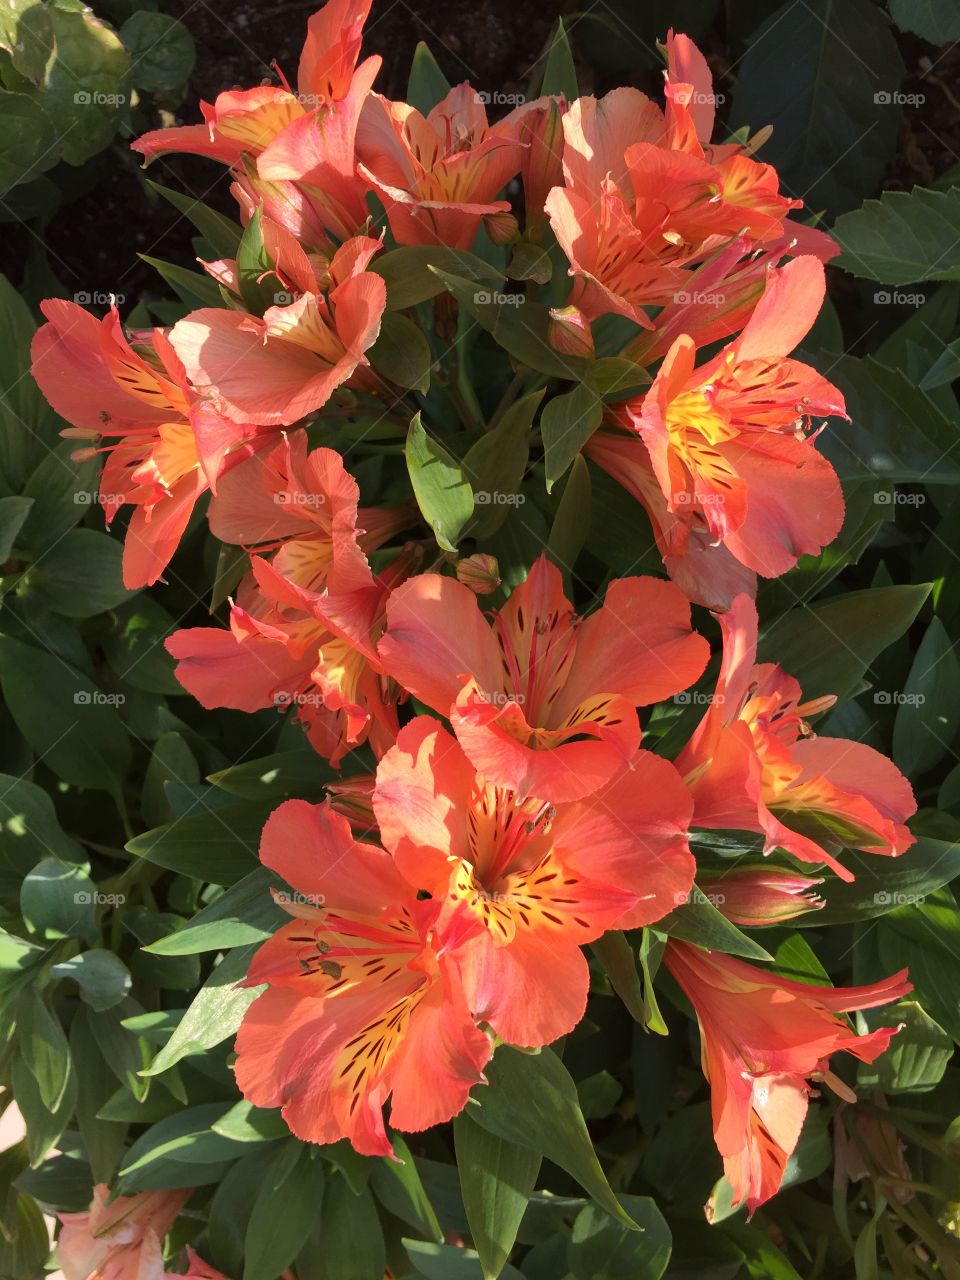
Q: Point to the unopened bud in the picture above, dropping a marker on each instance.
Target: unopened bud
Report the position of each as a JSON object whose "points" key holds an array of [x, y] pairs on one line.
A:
{"points": [[751, 896], [480, 573], [502, 227], [569, 332], [352, 798]]}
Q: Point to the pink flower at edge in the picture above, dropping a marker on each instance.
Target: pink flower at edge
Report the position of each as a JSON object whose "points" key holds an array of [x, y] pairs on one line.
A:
{"points": [[118, 1239]]}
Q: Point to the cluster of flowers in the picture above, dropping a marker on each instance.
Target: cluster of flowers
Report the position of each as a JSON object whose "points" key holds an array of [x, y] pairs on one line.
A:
{"points": [[443, 902]]}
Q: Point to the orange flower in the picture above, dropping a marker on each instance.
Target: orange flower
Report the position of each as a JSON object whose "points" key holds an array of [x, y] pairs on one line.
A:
{"points": [[754, 764], [120, 1239], [360, 1004], [763, 1039]]}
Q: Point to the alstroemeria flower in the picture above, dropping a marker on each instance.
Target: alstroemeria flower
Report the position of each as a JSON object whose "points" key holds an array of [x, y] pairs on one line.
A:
{"points": [[120, 1239], [542, 702], [725, 444], [755, 896], [439, 174], [311, 131], [754, 764], [165, 443], [305, 505], [361, 1005], [279, 369], [763, 1039], [292, 648], [524, 884]]}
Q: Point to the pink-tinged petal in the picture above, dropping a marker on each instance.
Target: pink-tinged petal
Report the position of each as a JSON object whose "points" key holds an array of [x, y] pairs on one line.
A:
{"points": [[154, 533], [794, 502], [639, 644], [786, 311], [687, 65], [421, 800], [246, 668], [437, 639], [857, 769], [801, 239], [314, 850], [360, 303], [331, 49], [532, 991], [598, 132]]}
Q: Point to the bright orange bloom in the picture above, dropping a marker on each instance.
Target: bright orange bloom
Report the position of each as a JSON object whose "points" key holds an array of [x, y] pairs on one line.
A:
{"points": [[763, 1039], [120, 1239], [279, 369], [725, 444], [524, 884], [166, 443], [361, 1005], [440, 174], [257, 131], [542, 702], [754, 764]]}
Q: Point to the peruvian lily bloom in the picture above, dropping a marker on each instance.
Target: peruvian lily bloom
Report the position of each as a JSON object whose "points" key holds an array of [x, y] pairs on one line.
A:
{"points": [[284, 366], [305, 506], [439, 174], [541, 701], [524, 884], [763, 1039], [165, 443], [311, 131], [119, 1239], [726, 442], [291, 647], [360, 1004], [754, 764]]}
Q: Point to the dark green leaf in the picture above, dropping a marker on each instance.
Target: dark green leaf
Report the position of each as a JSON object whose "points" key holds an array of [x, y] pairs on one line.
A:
{"points": [[441, 489], [497, 1178]]}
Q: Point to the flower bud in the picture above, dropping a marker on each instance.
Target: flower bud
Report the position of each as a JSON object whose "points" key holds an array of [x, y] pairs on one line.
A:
{"points": [[541, 166], [569, 332], [352, 798], [752, 896], [502, 227], [480, 573]]}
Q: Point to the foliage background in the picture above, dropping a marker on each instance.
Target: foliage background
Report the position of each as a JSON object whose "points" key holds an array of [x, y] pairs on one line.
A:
{"points": [[129, 817]]}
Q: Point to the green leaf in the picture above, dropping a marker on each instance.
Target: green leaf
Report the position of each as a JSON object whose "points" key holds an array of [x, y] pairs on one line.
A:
{"points": [[26, 33], [897, 433], [290, 1193], [427, 85], [532, 1100], [57, 900], [496, 464], [830, 646], [918, 1055], [247, 1123], [65, 718], [134, 647], [161, 51], [619, 963], [217, 844], [497, 1179], [935, 20], [244, 913], [29, 830], [44, 1048], [928, 712], [13, 512], [185, 1137], [905, 237], [410, 280], [439, 485], [80, 576], [62, 490], [353, 1244], [601, 1249], [221, 234], [401, 353], [45, 1124], [102, 977], [193, 288], [559, 74], [399, 1187], [299, 773], [571, 524], [104, 1138], [566, 424], [259, 285], [30, 142], [448, 1262], [823, 74], [87, 90], [215, 1014], [698, 921]]}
